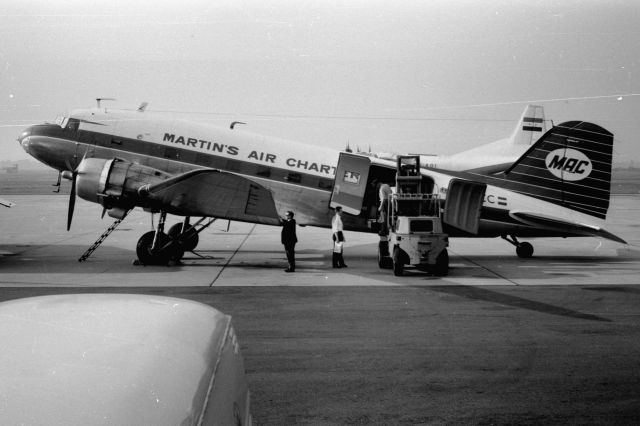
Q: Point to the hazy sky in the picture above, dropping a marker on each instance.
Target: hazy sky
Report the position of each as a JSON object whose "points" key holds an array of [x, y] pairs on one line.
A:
{"points": [[403, 76]]}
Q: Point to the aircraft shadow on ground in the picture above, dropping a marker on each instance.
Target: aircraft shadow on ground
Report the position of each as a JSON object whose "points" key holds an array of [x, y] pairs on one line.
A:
{"points": [[28, 259], [491, 296], [25, 259], [482, 266]]}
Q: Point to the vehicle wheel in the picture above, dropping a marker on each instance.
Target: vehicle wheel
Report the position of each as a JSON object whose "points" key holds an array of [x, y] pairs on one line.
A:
{"points": [[189, 240], [442, 264], [524, 250], [398, 263], [148, 257]]}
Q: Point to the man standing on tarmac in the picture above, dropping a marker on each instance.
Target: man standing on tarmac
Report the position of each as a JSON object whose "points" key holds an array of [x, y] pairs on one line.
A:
{"points": [[338, 239], [289, 240]]}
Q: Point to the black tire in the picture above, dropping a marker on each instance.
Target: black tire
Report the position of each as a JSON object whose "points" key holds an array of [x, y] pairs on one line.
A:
{"points": [[524, 250], [189, 240], [398, 262], [442, 264], [148, 257]]}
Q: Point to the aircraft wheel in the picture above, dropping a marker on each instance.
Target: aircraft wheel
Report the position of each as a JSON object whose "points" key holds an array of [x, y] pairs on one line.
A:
{"points": [[149, 257], [441, 267], [524, 250], [176, 253], [398, 262], [189, 239]]}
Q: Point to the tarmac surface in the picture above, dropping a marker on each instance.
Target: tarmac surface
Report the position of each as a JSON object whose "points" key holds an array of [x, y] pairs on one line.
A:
{"points": [[554, 339]]}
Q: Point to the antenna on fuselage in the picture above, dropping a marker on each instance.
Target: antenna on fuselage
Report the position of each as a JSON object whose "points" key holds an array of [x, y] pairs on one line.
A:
{"points": [[98, 100], [233, 124], [143, 106]]}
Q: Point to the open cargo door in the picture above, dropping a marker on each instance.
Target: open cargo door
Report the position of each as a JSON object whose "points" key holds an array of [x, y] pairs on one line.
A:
{"points": [[463, 204], [350, 183]]}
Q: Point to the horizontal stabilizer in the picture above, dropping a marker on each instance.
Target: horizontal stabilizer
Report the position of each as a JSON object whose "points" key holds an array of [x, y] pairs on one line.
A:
{"points": [[213, 193], [571, 228]]}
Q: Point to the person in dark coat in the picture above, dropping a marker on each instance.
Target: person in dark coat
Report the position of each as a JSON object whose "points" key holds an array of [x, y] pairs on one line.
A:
{"points": [[289, 240]]}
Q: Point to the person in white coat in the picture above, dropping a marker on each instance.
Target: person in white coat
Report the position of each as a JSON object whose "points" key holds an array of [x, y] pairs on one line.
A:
{"points": [[338, 239]]}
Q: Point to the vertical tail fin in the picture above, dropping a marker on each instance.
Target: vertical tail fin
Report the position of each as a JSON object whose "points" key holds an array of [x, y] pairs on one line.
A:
{"points": [[570, 165], [531, 126]]}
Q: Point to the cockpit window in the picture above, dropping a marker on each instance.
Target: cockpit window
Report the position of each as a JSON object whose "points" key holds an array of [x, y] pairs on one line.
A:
{"points": [[72, 124], [62, 120]]}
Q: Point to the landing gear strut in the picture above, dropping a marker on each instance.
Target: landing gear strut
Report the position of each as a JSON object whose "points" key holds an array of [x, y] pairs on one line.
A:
{"points": [[523, 250]]}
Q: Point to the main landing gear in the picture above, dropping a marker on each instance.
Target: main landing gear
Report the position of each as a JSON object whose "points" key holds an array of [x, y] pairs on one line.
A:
{"points": [[523, 250], [160, 248]]}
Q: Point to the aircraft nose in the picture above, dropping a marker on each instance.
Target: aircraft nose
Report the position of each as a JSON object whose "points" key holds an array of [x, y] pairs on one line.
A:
{"points": [[24, 138]]}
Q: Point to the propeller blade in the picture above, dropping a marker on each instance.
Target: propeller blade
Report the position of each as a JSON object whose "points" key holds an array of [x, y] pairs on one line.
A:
{"points": [[72, 200]]}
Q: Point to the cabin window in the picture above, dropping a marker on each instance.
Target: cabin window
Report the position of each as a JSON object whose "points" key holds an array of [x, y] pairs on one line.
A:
{"points": [[234, 166], [325, 184], [171, 153], [263, 171], [294, 177]]}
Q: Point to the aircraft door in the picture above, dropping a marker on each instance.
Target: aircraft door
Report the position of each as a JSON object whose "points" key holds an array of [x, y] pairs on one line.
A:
{"points": [[350, 183], [463, 205]]}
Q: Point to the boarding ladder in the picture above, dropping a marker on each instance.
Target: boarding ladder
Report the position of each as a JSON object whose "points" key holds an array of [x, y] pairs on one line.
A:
{"points": [[104, 235]]}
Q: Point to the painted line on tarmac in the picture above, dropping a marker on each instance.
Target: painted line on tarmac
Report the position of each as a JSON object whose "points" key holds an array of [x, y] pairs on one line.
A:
{"points": [[486, 269], [233, 254]]}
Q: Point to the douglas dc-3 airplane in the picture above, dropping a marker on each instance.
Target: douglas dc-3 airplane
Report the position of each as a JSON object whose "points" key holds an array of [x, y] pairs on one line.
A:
{"points": [[123, 159]]}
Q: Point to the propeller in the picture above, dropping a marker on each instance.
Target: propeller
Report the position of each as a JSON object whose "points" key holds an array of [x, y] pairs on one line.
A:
{"points": [[72, 198], [73, 176]]}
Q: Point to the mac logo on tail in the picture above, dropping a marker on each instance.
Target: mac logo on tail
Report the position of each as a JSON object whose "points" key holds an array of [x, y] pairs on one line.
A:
{"points": [[568, 164]]}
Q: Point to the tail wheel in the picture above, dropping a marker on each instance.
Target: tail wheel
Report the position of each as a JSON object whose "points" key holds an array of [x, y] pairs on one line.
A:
{"points": [[188, 239], [524, 250], [147, 256]]}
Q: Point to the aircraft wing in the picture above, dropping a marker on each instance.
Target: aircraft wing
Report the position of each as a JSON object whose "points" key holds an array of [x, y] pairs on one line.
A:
{"points": [[6, 203], [561, 225], [208, 192]]}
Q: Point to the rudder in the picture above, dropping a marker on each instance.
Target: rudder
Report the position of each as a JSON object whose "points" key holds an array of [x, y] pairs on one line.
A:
{"points": [[531, 126]]}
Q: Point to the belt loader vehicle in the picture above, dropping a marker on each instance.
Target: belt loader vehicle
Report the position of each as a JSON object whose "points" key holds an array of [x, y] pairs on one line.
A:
{"points": [[411, 233]]}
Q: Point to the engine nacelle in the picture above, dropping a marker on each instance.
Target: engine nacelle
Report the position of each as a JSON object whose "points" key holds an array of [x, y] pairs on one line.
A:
{"points": [[114, 183]]}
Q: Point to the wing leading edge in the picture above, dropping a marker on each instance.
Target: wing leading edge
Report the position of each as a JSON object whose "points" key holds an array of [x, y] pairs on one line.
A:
{"points": [[207, 192]]}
